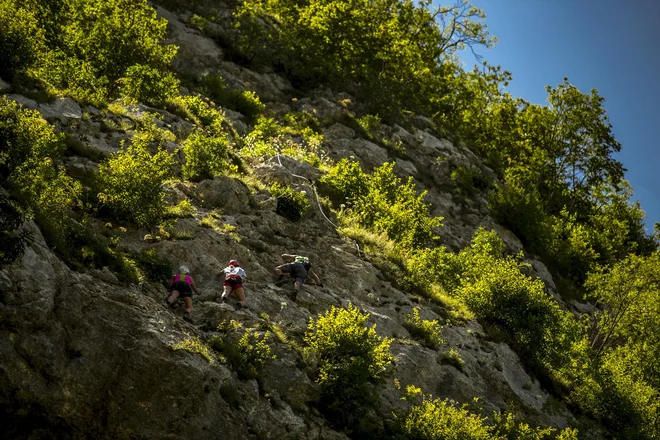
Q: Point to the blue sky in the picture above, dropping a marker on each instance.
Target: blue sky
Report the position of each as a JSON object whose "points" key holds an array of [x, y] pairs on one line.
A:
{"points": [[610, 45]]}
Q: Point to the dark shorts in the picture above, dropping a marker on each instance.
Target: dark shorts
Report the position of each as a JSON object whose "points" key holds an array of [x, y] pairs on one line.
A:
{"points": [[183, 288], [296, 270], [234, 282]]}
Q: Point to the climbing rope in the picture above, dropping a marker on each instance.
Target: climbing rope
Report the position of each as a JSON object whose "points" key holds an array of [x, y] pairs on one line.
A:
{"points": [[311, 184]]}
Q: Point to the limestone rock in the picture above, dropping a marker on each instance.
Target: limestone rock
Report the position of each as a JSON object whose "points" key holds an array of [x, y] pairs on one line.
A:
{"points": [[4, 86], [228, 194], [61, 108]]}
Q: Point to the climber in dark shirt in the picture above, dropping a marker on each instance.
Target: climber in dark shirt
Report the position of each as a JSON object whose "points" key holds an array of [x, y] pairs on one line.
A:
{"points": [[298, 268]]}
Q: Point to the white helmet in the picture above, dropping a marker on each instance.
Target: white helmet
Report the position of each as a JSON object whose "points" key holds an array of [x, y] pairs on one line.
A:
{"points": [[184, 270]]}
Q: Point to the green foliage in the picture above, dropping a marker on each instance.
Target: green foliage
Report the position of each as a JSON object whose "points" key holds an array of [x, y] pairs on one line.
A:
{"points": [[350, 358], [21, 39], [192, 344], [291, 204], [270, 138], [206, 156], [428, 267], [518, 205], [453, 357], [150, 85], [183, 209], [381, 201], [428, 331], [242, 101], [436, 419], [469, 180], [130, 182], [12, 237], [83, 247], [89, 49], [494, 288], [28, 150], [388, 53], [249, 354], [155, 267]]}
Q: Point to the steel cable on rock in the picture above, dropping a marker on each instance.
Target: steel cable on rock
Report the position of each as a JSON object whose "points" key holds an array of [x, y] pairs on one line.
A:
{"points": [[318, 201]]}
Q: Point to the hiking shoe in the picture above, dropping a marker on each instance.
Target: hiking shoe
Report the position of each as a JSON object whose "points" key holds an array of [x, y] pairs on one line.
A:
{"points": [[224, 300], [239, 306], [186, 317]]}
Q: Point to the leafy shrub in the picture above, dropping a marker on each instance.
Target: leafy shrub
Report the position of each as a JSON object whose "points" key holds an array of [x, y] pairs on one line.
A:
{"points": [[183, 209], [206, 157], [291, 204], [468, 180], [148, 85], [453, 357], [269, 138], [428, 267], [382, 202], [192, 344], [155, 267], [518, 206], [131, 182], [436, 419], [494, 288], [428, 331], [343, 43], [12, 237], [84, 248], [249, 354], [28, 148], [243, 101], [193, 107], [21, 39], [350, 358]]}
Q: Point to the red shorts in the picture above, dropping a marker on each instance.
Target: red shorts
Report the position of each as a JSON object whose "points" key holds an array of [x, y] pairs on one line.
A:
{"points": [[234, 282]]}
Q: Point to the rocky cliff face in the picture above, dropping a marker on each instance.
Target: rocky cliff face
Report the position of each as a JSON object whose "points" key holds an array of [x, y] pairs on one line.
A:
{"points": [[88, 355]]}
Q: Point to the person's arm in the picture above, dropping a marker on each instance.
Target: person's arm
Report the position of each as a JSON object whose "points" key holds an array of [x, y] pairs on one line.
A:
{"points": [[317, 280], [288, 258], [243, 274], [194, 286]]}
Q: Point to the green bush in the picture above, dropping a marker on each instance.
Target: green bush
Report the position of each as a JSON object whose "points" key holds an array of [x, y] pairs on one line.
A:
{"points": [[269, 138], [428, 331], [436, 419], [469, 180], [155, 267], [428, 267], [21, 39], [89, 46], [28, 150], [350, 358], [12, 237], [381, 201], [206, 157], [518, 206], [130, 182], [148, 85], [242, 101], [249, 354], [291, 204], [496, 290]]}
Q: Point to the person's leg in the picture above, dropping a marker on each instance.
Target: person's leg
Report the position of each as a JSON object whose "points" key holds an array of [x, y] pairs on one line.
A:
{"points": [[173, 296], [240, 294], [227, 291], [188, 303]]}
